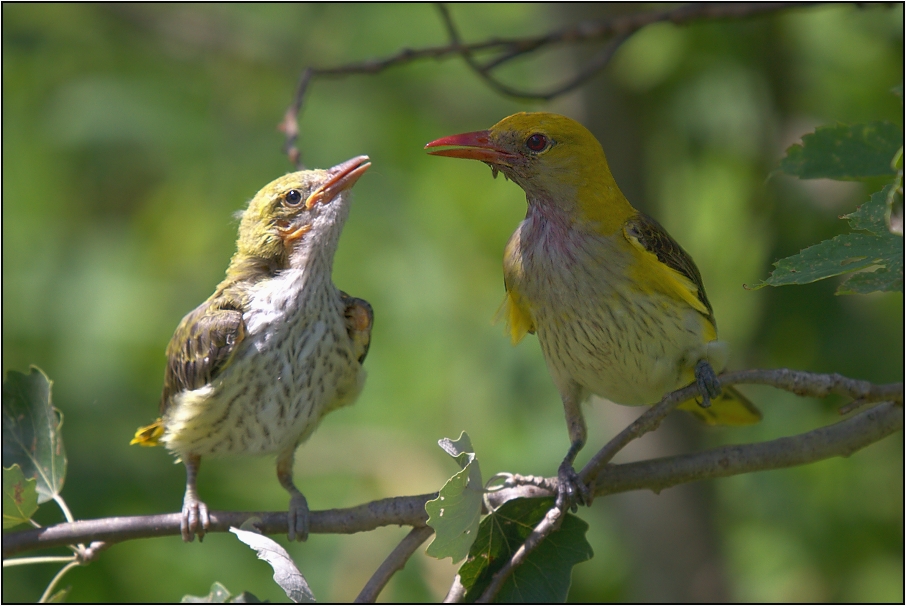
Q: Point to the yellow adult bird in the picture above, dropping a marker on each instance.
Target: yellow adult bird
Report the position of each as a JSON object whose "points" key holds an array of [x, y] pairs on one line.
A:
{"points": [[255, 368], [618, 306]]}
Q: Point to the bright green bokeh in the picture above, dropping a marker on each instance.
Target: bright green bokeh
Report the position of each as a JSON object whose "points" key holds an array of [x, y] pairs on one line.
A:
{"points": [[133, 132]]}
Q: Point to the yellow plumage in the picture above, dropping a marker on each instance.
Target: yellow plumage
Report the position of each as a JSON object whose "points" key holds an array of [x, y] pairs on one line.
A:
{"points": [[618, 306]]}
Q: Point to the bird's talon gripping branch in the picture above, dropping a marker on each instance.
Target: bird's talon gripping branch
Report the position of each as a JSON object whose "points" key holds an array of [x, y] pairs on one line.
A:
{"points": [[571, 492], [193, 512], [298, 517], [707, 382]]}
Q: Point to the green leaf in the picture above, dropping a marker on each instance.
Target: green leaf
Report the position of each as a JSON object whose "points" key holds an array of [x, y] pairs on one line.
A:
{"points": [[219, 595], [865, 282], [845, 152], [20, 497], [455, 513], [878, 250], [870, 216], [60, 596], [545, 574], [842, 254], [31, 431], [286, 575]]}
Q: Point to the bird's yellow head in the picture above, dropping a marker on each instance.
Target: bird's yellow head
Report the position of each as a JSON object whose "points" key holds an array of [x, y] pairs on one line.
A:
{"points": [[556, 160], [301, 210]]}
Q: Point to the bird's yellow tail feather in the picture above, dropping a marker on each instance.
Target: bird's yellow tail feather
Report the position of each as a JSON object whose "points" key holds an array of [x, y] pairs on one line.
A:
{"points": [[149, 435], [729, 408]]}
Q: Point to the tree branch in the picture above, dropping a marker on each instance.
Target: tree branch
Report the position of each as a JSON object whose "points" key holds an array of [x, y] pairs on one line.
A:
{"points": [[402, 511], [840, 439], [394, 562], [614, 29]]}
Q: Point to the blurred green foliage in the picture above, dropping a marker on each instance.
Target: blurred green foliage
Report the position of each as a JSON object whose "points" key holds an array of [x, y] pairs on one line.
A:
{"points": [[133, 132]]}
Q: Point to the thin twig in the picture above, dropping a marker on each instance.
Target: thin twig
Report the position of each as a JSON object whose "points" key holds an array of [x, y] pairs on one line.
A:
{"points": [[56, 579], [484, 71], [838, 440], [796, 381], [551, 522], [394, 562], [616, 28], [39, 560]]}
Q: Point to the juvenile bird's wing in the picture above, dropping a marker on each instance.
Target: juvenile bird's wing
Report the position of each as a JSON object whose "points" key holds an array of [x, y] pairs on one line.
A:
{"points": [[359, 321], [202, 345], [680, 271]]}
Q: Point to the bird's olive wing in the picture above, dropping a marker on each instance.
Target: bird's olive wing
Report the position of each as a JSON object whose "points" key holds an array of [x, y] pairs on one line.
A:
{"points": [[202, 346], [359, 321], [651, 236]]}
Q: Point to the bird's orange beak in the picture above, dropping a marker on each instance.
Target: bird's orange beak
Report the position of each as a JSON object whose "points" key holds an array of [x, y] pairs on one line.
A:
{"points": [[472, 146], [341, 177]]}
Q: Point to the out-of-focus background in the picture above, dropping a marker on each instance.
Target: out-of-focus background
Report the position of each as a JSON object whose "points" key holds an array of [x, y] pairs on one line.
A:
{"points": [[131, 133]]}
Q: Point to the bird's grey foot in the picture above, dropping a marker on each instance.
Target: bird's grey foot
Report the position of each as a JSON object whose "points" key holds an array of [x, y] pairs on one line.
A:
{"points": [[193, 512], [707, 382], [298, 517], [571, 491]]}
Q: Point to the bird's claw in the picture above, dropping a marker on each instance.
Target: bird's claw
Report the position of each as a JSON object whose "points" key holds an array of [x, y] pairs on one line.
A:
{"points": [[298, 518], [571, 491], [707, 382], [193, 512]]}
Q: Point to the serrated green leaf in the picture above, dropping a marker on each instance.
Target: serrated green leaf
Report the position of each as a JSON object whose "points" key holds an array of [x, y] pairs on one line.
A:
{"points": [[455, 513], [842, 254], [880, 280], [31, 431], [870, 216], [546, 573], [20, 497], [845, 152], [286, 574]]}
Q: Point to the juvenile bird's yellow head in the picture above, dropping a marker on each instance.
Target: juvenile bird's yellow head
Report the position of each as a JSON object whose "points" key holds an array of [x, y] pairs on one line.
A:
{"points": [[295, 215], [556, 160]]}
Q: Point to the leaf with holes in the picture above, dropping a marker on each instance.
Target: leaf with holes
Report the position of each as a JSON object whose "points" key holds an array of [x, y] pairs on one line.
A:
{"points": [[20, 497], [455, 513]]}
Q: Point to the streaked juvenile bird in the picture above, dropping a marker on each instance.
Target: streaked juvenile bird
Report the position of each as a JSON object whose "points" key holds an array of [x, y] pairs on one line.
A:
{"points": [[253, 369], [618, 306]]}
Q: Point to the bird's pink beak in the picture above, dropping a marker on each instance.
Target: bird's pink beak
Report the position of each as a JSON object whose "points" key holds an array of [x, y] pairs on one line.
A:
{"points": [[342, 177], [472, 146]]}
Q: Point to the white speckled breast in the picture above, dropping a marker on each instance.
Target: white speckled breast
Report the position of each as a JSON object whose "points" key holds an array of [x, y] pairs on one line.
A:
{"points": [[294, 365]]}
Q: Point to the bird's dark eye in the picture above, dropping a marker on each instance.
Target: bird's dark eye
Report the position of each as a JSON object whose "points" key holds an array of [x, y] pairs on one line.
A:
{"points": [[293, 197], [536, 142]]}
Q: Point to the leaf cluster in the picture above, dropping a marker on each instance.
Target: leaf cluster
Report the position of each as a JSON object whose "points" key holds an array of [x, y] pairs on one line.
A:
{"points": [[873, 253]]}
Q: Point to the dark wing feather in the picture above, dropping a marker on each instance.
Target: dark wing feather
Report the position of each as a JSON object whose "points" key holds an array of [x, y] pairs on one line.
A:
{"points": [[655, 239], [202, 346], [359, 321]]}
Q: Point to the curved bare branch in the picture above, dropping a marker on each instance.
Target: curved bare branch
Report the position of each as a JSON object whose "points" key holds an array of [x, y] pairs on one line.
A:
{"points": [[615, 29]]}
